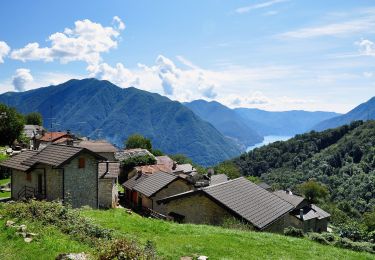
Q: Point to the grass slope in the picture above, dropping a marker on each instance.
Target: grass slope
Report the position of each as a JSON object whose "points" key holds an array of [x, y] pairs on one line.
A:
{"points": [[175, 240], [49, 243], [7, 193]]}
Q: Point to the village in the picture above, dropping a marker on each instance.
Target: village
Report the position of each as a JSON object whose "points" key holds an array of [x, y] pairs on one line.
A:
{"points": [[59, 166]]}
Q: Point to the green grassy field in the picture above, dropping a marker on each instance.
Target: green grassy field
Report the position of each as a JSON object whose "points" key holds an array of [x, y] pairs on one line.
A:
{"points": [[175, 240], [49, 243], [4, 194]]}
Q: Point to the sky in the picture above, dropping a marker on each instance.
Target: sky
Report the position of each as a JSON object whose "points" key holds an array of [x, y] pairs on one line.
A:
{"points": [[270, 54]]}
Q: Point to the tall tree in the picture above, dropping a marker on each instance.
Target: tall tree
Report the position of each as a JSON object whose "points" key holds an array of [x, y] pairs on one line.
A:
{"points": [[313, 191], [34, 118], [138, 141], [11, 124]]}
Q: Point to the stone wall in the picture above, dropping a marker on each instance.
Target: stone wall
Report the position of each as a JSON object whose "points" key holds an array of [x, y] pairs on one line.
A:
{"points": [[198, 209], [279, 225], [108, 193], [19, 182], [81, 185], [175, 187]]}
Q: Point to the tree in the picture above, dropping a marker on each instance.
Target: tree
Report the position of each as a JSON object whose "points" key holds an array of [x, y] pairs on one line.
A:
{"points": [[369, 220], [138, 141], [11, 125], [34, 118], [228, 168], [313, 191]]}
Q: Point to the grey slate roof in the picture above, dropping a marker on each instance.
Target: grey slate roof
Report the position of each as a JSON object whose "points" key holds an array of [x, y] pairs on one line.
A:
{"points": [[15, 161], [311, 213], [218, 178], [113, 169], [56, 155], [291, 198], [246, 199], [320, 212], [154, 183], [264, 185], [129, 184], [100, 146]]}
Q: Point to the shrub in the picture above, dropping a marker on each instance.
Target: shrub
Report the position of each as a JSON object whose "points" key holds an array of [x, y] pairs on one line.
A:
{"points": [[293, 232], [234, 223], [126, 249], [329, 236], [356, 246], [318, 238]]}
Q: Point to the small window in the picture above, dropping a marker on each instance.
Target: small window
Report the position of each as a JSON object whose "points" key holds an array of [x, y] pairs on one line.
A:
{"points": [[28, 176], [81, 163]]}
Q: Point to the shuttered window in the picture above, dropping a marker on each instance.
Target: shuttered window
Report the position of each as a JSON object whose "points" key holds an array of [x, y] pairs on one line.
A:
{"points": [[81, 163], [28, 176]]}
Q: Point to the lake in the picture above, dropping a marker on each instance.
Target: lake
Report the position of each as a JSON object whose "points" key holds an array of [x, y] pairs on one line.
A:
{"points": [[269, 139]]}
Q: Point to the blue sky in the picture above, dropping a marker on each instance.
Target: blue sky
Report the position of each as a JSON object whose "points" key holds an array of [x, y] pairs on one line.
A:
{"points": [[269, 54]]}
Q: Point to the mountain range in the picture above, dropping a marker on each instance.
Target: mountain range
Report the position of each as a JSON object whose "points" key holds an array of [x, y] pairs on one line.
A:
{"points": [[100, 109], [364, 111]]}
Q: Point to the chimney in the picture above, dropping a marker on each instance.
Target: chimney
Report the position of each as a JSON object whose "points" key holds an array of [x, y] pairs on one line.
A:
{"points": [[174, 165], [301, 214]]}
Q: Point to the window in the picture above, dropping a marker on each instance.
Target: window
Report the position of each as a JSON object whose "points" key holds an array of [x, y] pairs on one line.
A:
{"points": [[81, 163], [28, 176]]}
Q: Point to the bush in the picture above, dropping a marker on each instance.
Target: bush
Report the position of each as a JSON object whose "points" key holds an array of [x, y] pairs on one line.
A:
{"points": [[318, 238], [356, 246], [293, 232], [126, 249], [329, 236]]}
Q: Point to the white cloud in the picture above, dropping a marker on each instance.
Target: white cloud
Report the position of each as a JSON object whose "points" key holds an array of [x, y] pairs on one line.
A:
{"points": [[366, 47], [4, 50], [335, 29], [85, 42], [118, 75], [368, 74], [246, 9], [21, 79]]}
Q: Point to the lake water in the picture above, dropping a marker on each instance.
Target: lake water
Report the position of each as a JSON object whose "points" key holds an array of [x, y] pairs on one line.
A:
{"points": [[269, 139]]}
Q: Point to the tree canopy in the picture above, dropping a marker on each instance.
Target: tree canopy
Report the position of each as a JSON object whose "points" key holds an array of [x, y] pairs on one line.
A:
{"points": [[138, 141], [313, 191], [11, 125], [34, 118]]}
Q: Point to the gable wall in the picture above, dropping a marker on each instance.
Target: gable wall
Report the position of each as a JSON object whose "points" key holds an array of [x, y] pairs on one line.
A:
{"points": [[81, 185]]}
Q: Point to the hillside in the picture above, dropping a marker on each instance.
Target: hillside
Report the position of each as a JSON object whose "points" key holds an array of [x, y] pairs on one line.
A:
{"points": [[364, 111], [227, 121], [99, 109], [171, 240], [342, 158], [287, 123]]}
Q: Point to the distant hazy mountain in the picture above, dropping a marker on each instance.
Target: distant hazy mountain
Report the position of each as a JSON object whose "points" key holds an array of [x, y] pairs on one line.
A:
{"points": [[226, 120], [101, 109], [286, 123], [364, 111]]}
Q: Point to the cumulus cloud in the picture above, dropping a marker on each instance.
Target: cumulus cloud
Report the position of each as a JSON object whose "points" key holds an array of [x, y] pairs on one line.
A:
{"points": [[255, 98], [85, 42], [4, 50], [366, 47], [117, 74], [21, 79], [182, 84]]}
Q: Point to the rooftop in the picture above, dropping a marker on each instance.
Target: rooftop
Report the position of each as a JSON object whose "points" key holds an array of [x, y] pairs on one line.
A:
{"points": [[100, 146], [289, 197], [155, 182], [129, 153], [218, 178], [52, 136]]}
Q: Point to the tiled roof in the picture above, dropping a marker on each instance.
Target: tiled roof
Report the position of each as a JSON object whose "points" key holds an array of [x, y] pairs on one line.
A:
{"points": [[218, 178], [264, 185], [113, 169], [246, 199], [52, 136], [129, 184], [129, 153], [150, 169], [101, 146], [185, 168], [15, 161], [320, 212], [56, 155], [289, 197], [165, 160], [154, 183]]}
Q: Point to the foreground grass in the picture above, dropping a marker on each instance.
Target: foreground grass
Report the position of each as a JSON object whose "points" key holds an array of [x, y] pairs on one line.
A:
{"points": [[6, 194], [175, 240], [49, 243]]}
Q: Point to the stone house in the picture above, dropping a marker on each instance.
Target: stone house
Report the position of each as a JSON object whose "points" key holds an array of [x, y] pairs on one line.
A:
{"points": [[144, 190], [53, 138], [238, 198], [305, 216], [58, 172]]}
